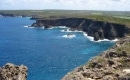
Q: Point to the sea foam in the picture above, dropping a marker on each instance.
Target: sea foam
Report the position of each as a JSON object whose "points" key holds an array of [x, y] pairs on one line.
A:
{"points": [[92, 38], [58, 27], [68, 30], [69, 36], [28, 26]]}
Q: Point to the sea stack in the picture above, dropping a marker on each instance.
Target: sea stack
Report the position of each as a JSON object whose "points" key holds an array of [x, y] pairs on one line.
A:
{"points": [[13, 72]]}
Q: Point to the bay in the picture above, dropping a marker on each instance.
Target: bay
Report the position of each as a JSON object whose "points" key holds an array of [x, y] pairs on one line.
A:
{"points": [[47, 54]]}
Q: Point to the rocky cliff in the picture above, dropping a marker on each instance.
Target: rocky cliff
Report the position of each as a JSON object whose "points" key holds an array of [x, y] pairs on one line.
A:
{"points": [[13, 72], [96, 29], [113, 64]]}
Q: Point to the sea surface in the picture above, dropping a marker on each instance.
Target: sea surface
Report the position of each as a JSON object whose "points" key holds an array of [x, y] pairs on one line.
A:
{"points": [[48, 53]]}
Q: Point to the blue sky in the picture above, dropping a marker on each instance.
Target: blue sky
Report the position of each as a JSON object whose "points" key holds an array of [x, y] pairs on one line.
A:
{"points": [[114, 5]]}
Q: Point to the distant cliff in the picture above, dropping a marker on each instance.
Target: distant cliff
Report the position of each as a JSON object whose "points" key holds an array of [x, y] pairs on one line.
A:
{"points": [[13, 72], [97, 29]]}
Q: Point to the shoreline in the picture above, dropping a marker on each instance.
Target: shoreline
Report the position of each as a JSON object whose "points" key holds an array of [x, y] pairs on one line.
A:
{"points": [[108, 65], [67, 29], [98, 29], [93, 66]]}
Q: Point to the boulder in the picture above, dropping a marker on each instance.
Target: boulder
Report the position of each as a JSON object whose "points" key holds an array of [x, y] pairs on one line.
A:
{"points": [[13, 72]]}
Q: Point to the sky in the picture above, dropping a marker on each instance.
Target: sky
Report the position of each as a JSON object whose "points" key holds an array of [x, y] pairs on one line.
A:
{"points": [[109, 5]]}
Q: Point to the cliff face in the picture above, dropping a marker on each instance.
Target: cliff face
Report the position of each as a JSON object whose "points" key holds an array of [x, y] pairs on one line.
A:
{"points": [[113, 64], [97, 29], [13, 72]]}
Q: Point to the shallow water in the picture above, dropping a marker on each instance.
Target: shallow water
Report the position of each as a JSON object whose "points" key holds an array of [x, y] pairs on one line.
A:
{"points": [[48, 55]]}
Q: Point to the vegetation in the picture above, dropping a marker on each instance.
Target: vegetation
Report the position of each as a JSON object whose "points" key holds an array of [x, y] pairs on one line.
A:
{"points": [[125, 48], [120, 17]]}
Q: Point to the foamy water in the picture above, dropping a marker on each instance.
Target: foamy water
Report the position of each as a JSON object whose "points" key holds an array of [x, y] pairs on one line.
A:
{"points": [[69, 36], [48, 55], [28, 26], [92, 38], [66, 29]]}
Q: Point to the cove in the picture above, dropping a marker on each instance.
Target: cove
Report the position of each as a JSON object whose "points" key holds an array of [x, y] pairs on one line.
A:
{"points": [[47, 54]]}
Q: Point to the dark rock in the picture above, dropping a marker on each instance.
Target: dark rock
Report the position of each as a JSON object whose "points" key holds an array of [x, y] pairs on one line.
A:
{"points": [[96, 36], [124, 53], [96, 29], [86, 74], [111, 54], [110, 62]]}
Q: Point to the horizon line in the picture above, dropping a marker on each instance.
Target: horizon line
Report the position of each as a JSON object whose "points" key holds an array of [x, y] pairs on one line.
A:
{"points": [[62, 10]]}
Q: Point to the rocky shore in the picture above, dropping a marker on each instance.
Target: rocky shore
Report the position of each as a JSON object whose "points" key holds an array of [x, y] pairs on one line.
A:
{"points": [[97, 29], [113, 64], [13, 72]]}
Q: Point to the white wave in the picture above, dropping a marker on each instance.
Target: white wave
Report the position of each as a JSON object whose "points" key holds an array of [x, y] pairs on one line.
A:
{"points": [[51, 27], [26, 26], [72, 36], [102, 40], [68, 30], [89, 37], [57, 27], [43, 27], [19, 16], [62, 27], [69, 36], [77, 31], [115, 40], [62, 30], [92, 38]]}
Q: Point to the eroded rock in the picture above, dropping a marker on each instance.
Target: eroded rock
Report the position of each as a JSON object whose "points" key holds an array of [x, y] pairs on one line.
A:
{"points": [[13, 72]]}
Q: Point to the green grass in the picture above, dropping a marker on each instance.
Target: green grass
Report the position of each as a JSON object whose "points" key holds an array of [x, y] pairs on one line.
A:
{"points": [[123, 17], [107, 16], [96, 14]]}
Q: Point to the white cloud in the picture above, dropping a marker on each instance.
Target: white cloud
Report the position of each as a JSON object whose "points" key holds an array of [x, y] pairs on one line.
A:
{"points": [[66, 4]]}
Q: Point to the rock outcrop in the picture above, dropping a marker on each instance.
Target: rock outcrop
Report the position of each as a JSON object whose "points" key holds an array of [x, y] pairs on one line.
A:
{"points": [[113, 64], [96, 29], [13, 72]]}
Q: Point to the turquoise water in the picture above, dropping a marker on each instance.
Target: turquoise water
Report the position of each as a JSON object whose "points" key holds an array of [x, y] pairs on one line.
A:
{"points": [[48, 55]]}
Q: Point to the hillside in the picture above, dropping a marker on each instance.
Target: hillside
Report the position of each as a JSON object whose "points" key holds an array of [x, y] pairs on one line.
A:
{"points": [[119, 17]]}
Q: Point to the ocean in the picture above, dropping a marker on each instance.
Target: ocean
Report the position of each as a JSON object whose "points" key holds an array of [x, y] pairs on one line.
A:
{"points": [[48, 53]]}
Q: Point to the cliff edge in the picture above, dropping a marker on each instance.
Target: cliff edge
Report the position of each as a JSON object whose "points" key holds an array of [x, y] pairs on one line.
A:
{"points": [[13, 72], [97, 29], [113, 64]]}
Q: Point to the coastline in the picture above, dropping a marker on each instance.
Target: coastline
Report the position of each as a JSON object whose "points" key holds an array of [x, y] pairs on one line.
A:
{"points": [[112, 64], [98, 29], [81, 73], [67, 29], [109, 65]]}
